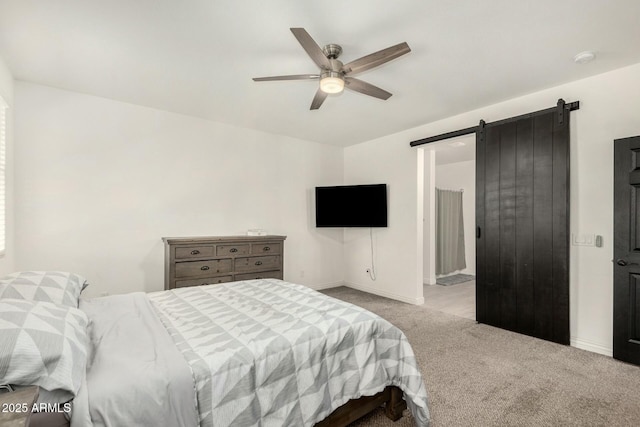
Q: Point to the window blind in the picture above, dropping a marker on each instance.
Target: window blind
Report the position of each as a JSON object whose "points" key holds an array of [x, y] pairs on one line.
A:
{"points": [[3, 179]]}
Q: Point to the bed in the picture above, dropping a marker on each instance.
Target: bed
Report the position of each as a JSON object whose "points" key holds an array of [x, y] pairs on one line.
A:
{"points": [[258, 352]]}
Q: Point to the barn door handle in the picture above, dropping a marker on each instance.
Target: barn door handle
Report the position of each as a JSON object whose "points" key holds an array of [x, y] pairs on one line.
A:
{"points": [[623, 262], [478, 233]]}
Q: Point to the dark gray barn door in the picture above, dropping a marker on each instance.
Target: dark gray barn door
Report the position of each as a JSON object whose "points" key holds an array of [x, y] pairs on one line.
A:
{"points": [[626, 252], [522, 215]]}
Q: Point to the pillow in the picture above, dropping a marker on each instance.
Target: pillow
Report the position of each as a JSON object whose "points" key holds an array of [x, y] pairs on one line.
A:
{"points": [[58, 287], [43, 344]]}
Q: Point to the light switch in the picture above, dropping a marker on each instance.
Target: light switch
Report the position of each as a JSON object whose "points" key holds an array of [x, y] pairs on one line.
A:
{"points": [[583, 239]]}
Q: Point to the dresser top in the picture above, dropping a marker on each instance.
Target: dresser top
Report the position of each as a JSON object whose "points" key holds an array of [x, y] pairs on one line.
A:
{"points": [[200, 239]]}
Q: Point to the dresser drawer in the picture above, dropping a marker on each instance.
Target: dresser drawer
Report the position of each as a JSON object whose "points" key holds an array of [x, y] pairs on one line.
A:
{"points": [[259, 275], [266, 248], [233, 250], [203, 281], [204, 260], [186, 252], [257, 263], [202, 268]]}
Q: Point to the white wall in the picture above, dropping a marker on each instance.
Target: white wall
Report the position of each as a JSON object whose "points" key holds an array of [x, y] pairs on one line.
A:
{"points": [[6, 92], [396, 247], [609, 106], [456, 176], [99, 182]]}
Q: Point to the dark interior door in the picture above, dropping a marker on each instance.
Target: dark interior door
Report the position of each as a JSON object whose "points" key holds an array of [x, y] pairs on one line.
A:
{"points": [[626, 252], [522, 215]]}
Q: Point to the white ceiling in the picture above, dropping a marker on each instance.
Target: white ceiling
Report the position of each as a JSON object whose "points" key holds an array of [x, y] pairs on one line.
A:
{"points": [[197, 57]]}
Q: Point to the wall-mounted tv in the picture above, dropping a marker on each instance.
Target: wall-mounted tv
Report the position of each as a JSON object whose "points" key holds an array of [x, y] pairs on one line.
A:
{"points": [[351, 206]]}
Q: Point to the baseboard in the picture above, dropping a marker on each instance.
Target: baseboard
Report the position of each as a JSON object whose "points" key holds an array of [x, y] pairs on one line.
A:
{"points": [[589, 346], [414, 301], [578, 343], [322, 286], [425, 281]]}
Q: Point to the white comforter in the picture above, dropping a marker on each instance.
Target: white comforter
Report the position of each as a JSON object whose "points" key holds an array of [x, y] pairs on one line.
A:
{"points": [[272, 353], [260, 352]]}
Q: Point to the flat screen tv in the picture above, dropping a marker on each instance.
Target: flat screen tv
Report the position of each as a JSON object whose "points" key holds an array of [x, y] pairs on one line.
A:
{"points": [[351, 206]]}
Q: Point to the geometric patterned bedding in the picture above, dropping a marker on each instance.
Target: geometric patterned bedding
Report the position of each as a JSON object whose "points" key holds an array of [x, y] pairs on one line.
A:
{"points": [[272, 353], [58, 287], [43, 344]]}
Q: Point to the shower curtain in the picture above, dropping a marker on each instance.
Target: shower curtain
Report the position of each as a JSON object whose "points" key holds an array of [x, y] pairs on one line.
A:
{"points": [[450, 255]]}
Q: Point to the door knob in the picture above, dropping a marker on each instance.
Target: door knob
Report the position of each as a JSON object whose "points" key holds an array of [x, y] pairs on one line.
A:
{"points": [[623, 262]]}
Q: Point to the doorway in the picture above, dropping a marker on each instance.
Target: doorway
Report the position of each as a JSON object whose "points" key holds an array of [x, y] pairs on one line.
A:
{"points": [[626, 277], [450, 172], [522, 220]]}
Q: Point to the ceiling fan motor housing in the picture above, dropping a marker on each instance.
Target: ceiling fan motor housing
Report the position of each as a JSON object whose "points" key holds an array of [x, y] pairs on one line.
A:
{"points": [[336, 66], [330, 73]]}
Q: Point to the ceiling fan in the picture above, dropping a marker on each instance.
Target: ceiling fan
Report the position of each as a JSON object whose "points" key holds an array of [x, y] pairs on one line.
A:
{"points": [[334, 76]]}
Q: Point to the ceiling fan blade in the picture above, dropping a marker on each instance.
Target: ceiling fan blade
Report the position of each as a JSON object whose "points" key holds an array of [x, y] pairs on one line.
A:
{"points": [[291, 77], [312, 48], [318, 99], [375, 59], [366, 88]]}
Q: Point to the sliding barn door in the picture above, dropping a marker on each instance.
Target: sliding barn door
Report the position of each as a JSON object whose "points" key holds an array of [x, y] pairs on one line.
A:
{"points": [[522, 218]]}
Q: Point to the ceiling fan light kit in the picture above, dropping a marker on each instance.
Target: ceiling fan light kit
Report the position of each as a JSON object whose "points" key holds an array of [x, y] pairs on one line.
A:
{"points": [[331, 83], [334, 75]]}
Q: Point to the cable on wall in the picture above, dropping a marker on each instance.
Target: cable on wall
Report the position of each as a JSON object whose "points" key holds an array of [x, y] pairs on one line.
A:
{"points": [[372, 271]]}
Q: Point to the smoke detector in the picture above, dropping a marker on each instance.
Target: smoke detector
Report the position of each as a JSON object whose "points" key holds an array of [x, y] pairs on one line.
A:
{"points": [[584, 57]]}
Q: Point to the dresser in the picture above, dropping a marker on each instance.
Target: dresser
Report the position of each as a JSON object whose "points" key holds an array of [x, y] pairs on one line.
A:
{"points": [[195, 261]]}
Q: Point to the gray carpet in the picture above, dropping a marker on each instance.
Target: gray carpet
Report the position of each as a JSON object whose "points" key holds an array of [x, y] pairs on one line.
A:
{"points": [[454, 279], [477, 375]]}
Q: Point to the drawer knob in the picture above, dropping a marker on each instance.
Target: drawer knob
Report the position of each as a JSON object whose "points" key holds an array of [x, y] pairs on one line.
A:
{"points": [[195, 252], [258, 262], [266, 249], [233, 250], [204, 268]]}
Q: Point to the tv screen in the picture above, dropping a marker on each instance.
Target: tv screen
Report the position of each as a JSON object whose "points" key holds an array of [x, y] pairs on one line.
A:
{"points": [[351, 206]]}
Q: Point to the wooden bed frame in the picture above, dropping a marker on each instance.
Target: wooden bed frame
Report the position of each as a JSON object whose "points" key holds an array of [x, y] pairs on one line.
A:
{"points": [[351, 411], [354, 409]]}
